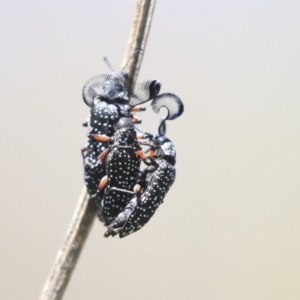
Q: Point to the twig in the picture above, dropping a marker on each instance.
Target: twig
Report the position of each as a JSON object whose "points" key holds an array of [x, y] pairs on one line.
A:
{"points": [[138, 38], [85, 211]]}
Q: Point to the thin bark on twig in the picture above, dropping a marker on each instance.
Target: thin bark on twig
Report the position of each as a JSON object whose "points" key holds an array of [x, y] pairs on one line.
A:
{"points": [[138, 38], [85, 211]]}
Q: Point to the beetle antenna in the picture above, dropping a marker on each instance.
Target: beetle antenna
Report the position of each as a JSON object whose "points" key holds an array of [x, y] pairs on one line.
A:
{"points": [[108, 63], [162, 128]]}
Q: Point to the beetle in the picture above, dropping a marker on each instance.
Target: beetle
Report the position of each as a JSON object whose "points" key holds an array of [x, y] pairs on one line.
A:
{"points": [[155, 180], [121, 161], [108, 95]]}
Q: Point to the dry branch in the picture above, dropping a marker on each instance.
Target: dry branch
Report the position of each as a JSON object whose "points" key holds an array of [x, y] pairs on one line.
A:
{"points": [[85, 211]]}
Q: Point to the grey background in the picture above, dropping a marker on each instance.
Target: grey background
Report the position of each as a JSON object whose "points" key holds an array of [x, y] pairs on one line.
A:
{"points": [[229, 227]]}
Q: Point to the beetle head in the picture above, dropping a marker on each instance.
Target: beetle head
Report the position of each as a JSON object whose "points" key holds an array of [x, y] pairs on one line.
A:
{"points": [[165, 149], [115, 87]]}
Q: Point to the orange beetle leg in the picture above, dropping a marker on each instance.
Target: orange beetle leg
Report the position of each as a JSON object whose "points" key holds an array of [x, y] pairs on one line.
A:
{"points": [[103, 155], [135, 119], [103, 183], [137, 188], [101, 138], [140, 154], [138, 108], [151, 153], [141, 136]]}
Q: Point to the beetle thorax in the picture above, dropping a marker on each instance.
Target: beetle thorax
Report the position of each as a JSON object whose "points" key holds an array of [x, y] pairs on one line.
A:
{"points": [[125, 137]]}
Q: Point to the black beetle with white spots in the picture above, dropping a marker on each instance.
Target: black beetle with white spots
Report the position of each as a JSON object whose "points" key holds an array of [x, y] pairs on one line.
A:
{"points": [[126, 197], [108, 97]]}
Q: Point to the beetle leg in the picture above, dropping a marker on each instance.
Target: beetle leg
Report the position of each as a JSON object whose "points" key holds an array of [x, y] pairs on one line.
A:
{"points": [[86, 123], [103, 155], [86, 162], [138, 108], [138, 192], [135, 119], [145, 135], [140, 154], [84, 149], [111, 232], [151, 153], [118, 223], [101, 137], [121, 190], [103, 183], [141, 136], [137, 188]]}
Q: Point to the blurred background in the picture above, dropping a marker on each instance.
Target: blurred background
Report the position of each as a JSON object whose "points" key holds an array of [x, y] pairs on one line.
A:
{"points": [[229, 227]]}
